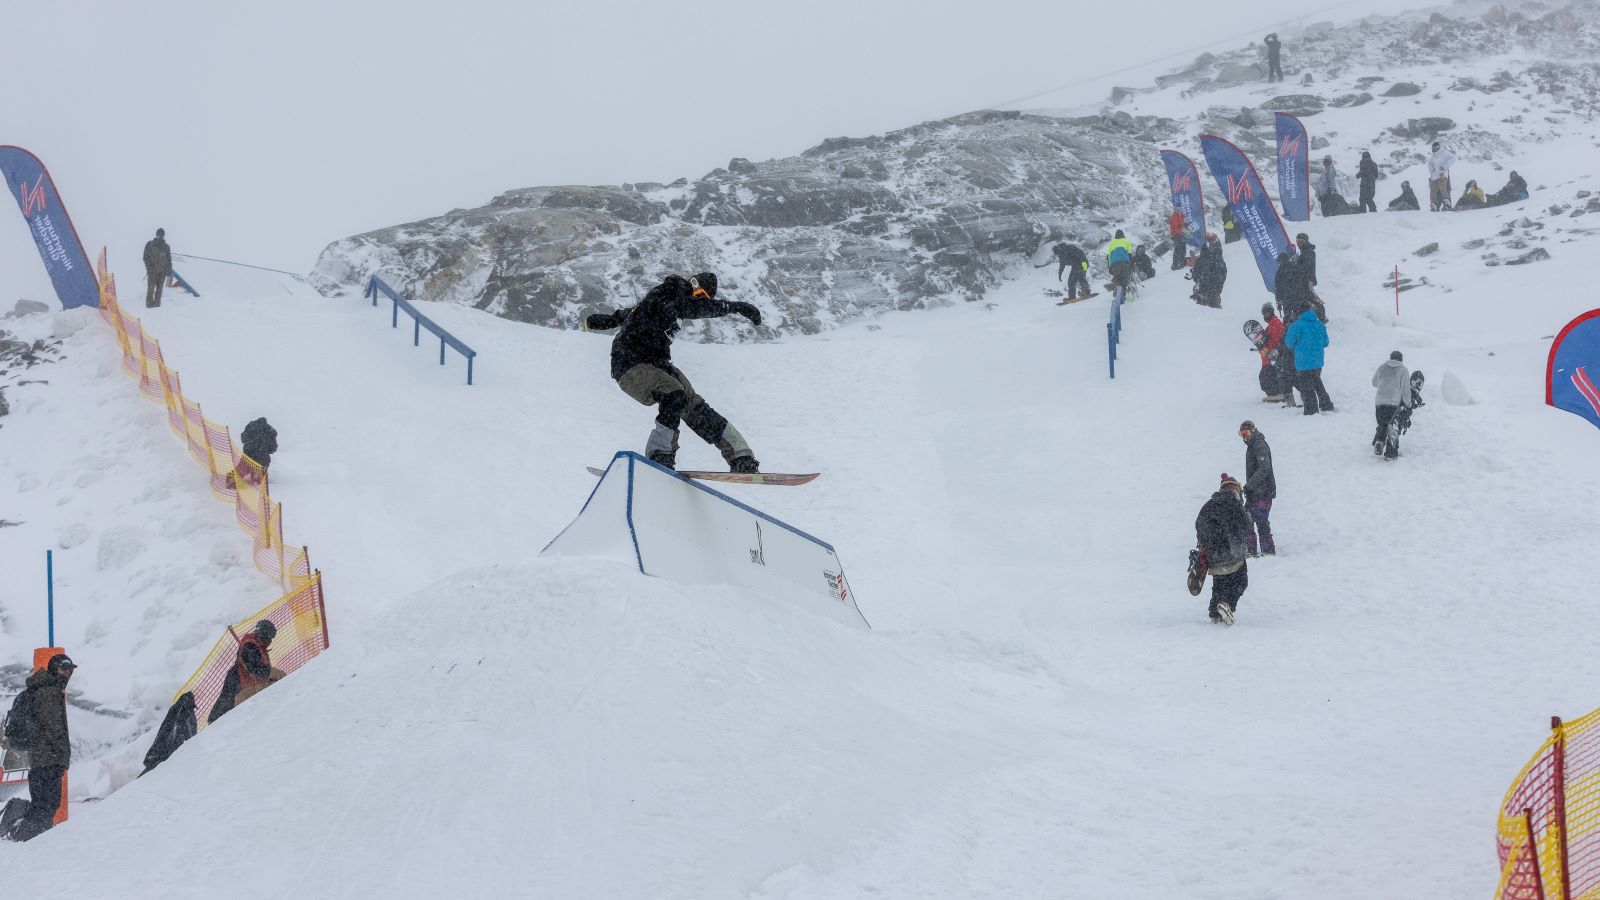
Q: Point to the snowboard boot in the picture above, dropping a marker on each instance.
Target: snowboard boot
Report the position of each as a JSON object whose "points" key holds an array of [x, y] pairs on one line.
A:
{"points": [[1377, 448], [736, 453], [662, 446], [1224, 613]]}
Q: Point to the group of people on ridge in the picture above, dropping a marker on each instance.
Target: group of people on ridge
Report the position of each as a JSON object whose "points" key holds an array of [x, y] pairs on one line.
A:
{"points": [[1332, 202]]}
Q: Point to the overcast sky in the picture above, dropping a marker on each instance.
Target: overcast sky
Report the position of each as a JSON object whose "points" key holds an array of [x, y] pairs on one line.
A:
{"points": [[261, 132]]}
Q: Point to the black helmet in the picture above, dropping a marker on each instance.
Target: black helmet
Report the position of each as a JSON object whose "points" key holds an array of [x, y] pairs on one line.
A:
{"points": [[161, 232], [705, 281], [266, 631], [1267, 310], [1120, 234]]}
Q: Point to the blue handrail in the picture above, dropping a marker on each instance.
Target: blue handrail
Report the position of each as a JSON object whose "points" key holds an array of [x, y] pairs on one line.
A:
{"points": [[1114, 331], [419, 321], [183, 284]]}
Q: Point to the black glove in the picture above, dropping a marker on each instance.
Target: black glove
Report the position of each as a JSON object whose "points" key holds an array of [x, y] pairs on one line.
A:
{"points": [[746, 310]]}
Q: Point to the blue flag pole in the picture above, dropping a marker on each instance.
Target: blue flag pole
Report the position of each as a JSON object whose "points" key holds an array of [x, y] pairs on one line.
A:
{"points": [[50, 593]]}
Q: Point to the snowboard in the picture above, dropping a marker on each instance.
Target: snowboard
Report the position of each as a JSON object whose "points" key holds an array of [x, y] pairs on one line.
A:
{"points": [[1256, 334], [1197, 572], [1066, 300], [737, 477], [1401, 423]]}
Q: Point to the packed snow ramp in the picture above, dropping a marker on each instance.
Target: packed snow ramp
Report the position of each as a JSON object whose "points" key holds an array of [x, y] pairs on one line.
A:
{"points": [[676, 528]]}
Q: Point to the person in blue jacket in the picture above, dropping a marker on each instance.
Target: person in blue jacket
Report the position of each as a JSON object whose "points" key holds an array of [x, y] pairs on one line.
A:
{"points": [[1308, 337]]}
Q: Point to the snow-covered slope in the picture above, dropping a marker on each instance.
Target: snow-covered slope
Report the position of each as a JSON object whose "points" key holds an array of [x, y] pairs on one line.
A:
{"points": [[1041, 709]]}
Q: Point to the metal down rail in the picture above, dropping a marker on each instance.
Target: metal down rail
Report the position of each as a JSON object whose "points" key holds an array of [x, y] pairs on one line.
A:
{"points": [[376, 285]]}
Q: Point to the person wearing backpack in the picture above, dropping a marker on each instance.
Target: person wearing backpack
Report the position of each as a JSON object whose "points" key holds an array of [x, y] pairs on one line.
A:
{"points": [[37, 723]]}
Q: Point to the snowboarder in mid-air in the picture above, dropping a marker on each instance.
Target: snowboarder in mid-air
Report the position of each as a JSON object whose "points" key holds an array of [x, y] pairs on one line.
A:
{"points": [[641, 363]]}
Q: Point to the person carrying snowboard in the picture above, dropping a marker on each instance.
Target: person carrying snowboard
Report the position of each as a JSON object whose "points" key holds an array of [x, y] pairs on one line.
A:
{"points": [[1367, 177], [1260, 488], [1221, 532], [1276, 361], [1394, 394], [641, 363]]}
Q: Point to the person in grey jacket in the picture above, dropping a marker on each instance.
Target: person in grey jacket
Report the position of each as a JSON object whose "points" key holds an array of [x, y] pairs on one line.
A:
{"points": [[1393, 382]]}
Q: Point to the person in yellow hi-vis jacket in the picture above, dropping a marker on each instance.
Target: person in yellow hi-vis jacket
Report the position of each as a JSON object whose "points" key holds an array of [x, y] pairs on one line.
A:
{"points": [[1119, 257]]}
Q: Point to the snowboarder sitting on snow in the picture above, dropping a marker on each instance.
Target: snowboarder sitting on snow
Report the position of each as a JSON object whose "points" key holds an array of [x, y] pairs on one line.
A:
{"points": [[1222, 531], [1119, 257], [1394, 394], [1516, 189], [641, 362], [1071, 257], [1406, 200], [1142, 263], [1210, 274], [251, 672], [1472, 197]]}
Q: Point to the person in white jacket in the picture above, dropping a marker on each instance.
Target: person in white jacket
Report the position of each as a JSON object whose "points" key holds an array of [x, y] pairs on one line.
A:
{"points": [[1393, 382], [1439, 177]]}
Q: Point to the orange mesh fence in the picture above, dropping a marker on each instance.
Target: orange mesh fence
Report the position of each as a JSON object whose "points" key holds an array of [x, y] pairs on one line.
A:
{"points": [[302, 624], [234, 477], [1549, 828]]}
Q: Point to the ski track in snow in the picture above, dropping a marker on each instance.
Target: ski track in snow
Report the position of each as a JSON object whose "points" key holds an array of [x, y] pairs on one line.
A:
{"points": [[1041, 711]]}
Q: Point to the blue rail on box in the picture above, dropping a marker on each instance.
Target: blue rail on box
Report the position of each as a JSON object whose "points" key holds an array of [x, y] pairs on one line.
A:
{"points": [[376, 286]]}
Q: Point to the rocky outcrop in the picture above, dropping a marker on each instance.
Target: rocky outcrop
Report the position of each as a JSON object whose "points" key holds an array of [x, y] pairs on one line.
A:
{"points": [[927, 215]]}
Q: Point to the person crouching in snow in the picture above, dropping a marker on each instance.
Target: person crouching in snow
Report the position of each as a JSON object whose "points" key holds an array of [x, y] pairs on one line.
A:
{"points": [[641, 363], [1222, 530]]}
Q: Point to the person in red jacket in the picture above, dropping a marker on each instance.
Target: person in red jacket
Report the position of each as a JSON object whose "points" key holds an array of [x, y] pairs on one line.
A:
{"points": [[1180, 250], [1276, 361], [252, 670]]}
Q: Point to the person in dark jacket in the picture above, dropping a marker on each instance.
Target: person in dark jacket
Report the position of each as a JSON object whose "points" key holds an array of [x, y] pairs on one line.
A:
{"points": [[1516, 189], [1274, 57], [1308, 338], [1277, 363], [1367, 177], [1070, 256], [50, 754], [1230, 228], [177, 727], [258, 442], [1143, 264], [251, 672], [157, 267], [1407, 199], [641, 363], [1222, 532], [1210, 274], [1290, 287], [1307, 258], [1260, 487]]}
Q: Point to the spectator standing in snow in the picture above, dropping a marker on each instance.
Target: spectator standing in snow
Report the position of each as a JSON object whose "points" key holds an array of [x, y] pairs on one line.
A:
{"points": [[1277, 363], [1407, 199], [1439, 177], [1274, 57], [1367, 176], [49, 748], [251, 672], [157, 267], [1393, 383], [1327, 187], [1180, 250], [1222, 532], [1230, 228], [1515, 189], [1308, 338], [1143, 264], [1291, 288], [1210, 274], [1260, 488], [1119, 257]]}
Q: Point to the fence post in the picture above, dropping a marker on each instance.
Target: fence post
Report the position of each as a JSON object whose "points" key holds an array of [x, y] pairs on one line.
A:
{"points": [[1560, 808], [1533, 851], [283, 570], [416, 332]]}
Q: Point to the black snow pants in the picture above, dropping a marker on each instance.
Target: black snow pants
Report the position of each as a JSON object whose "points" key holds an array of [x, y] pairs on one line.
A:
{"points": [[1227, 589], [1368, 188], [1312, 394], [1391, 449], [1078, 283], [44, 797]]}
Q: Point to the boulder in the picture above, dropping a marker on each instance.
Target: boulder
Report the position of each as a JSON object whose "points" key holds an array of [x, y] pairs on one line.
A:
{"points": [[1454, 390], [1426, 249], [741, 166], [1537, 254], [28, 308], [1350, 100], [1238, 73], [1402, 89], [1296, 104], [1426, 127]]}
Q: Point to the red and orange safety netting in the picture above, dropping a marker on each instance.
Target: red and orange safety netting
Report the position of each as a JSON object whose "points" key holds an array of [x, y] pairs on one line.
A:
{"points": [[300, 615], [302, 624], [1549, 830]]}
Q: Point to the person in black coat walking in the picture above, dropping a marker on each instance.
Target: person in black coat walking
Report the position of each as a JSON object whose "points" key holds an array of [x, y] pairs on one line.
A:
{"points": [[1290, 287], [1222, 533], [1274, 57], [1260, 487], [50, 751], [1367, 176], [641, 363]]}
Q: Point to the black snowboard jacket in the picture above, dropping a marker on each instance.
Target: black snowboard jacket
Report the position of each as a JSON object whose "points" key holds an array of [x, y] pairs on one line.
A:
{"points": [[1070, 255], [177, 727], [1259, 483], [1222, 530], [1308, 263], [52, 748], [1367, 173], [647, 329]]}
